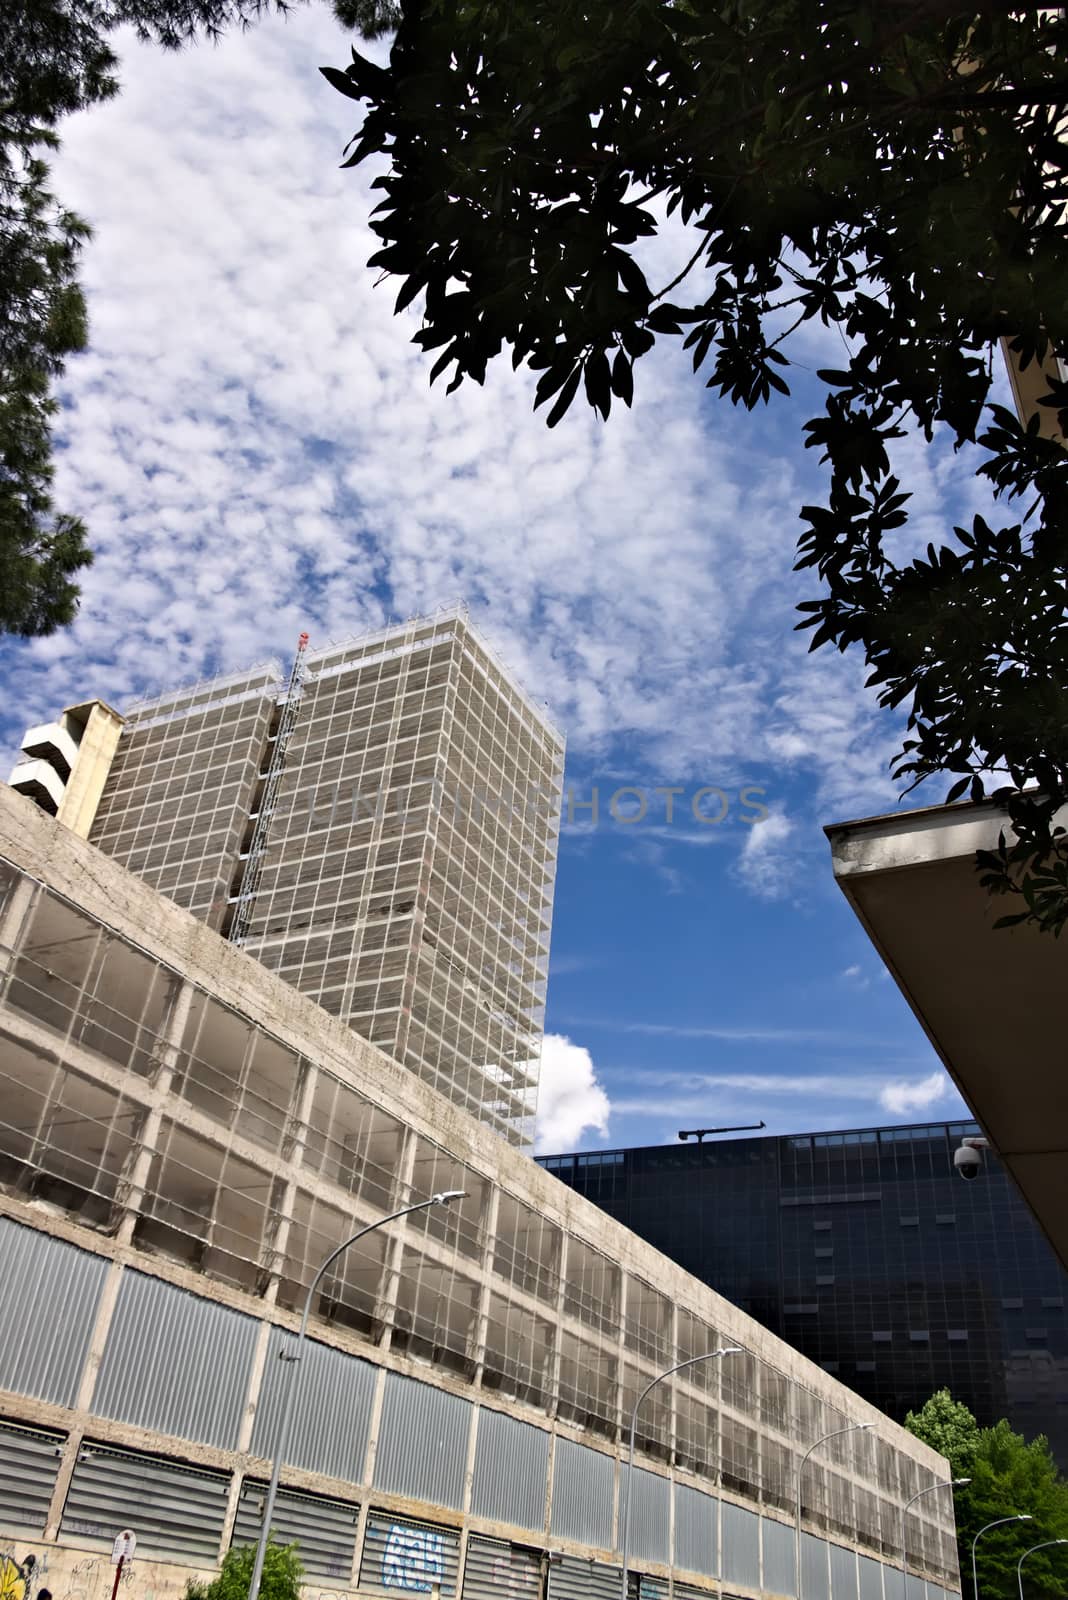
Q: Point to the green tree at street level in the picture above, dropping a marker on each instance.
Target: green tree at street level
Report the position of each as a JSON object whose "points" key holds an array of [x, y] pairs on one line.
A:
{"points": [[892, 169], [283, 1574], [948, 1427], [1009, 1477]]}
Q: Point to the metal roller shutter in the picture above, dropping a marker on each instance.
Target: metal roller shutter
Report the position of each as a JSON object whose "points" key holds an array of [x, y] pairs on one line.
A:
{"points": [[29, 1461], [401, 1554], [177, 1512], [686, 1591], [325, 1530], [494, 1569], [573, 1579]]}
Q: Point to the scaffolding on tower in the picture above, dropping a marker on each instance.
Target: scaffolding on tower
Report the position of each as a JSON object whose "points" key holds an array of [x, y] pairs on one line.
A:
{"points": [[250, 878]]}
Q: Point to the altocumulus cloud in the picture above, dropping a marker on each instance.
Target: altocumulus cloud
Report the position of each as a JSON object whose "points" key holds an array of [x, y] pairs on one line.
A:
{"points": [[570, 1099], [253, 442]]}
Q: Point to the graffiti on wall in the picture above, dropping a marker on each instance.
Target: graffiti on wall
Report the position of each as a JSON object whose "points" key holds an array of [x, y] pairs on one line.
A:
{"points": [[20, 1579], [414, 1558]]}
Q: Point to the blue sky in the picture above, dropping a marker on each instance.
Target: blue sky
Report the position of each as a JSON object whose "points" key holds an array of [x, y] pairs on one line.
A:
{"points": [[253, 443]]}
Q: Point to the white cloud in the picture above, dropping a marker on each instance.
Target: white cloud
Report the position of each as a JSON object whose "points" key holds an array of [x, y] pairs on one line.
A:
{"points": [[253, 443], [905, 1096], [764, 866], [570, 1100], [824, 1097]]}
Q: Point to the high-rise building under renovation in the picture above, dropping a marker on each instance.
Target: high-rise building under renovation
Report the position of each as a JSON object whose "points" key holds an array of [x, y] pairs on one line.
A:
{"points": [[379, 829]]}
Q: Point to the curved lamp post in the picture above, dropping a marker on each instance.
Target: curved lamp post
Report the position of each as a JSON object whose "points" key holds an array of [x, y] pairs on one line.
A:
{"points": [[624, 1531], [998, 1522], [948, 1483], [1019, 1565], [443, 1199], [854, 1427]]}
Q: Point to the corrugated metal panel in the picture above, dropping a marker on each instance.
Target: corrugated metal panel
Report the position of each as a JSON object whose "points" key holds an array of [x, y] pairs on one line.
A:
{"points": [[29, 1461], [331, 1411], [511, 1480], [416, 1557], [814, 1571], [581, 1507], [741, 1547], [176, 1512], [843, 1574], [494, 1569], [696, 1531], [871, 1579], [47, 1284], [422, 1442], [780, 1557], [324, 1529], [572, 1579], [650, 1515], [175, 1363]]}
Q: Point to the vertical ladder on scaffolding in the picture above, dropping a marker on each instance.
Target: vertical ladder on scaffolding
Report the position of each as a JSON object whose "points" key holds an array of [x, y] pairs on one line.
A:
{"points": [[254, 861]]}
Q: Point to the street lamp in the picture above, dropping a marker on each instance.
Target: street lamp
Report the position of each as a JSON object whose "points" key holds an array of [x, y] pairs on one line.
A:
{"points": [[624, 1531], [854, 1427], [948, 1483], [1019, 1565], [1023, 1516], [443, 1199]]}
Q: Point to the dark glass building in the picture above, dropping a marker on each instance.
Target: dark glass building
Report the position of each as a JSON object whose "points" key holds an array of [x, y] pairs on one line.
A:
{"points": [[866, 1252]]}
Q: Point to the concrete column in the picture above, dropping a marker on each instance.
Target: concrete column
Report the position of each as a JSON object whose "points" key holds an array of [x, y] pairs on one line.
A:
{"points": [[357, 1549], [101, 1327], [476, 1347], [374, 1424], [673, 1350], [13, 924], [132, 1193], [257, 1373], [83, 1400], [557, 1325], [276, 1236], [62, 1484], [469, 1474], [391, 1273]]}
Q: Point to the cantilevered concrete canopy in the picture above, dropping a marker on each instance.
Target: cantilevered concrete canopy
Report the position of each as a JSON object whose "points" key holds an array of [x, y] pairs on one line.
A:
{"points": [[993, 1004]]}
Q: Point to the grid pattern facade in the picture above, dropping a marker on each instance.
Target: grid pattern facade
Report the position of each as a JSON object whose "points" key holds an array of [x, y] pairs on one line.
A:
{"points": [[183, 783], [408, 875], [408, 847], [867, 1253], [141, 1104]]}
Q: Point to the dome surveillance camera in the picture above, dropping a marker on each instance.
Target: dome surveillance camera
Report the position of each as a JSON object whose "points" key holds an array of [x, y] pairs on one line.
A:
{"points": [[968, 1162]]}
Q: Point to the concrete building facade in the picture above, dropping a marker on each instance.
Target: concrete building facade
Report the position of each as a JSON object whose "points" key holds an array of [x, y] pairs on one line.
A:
{"points": [[380, 828], [184, 1137]]}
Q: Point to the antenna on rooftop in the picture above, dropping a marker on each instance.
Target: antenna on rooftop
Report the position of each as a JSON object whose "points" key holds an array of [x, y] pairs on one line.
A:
{"points": [[701, 1133]]}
